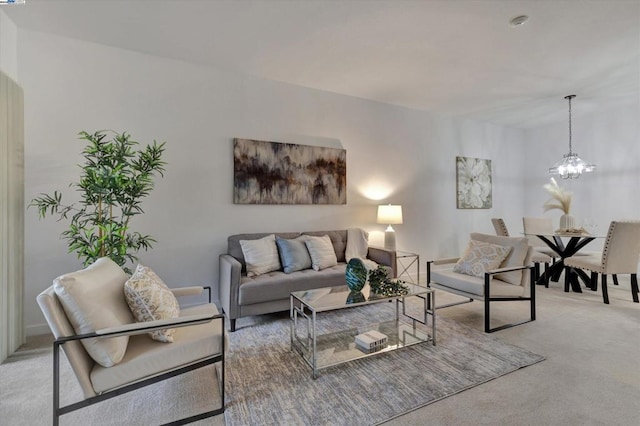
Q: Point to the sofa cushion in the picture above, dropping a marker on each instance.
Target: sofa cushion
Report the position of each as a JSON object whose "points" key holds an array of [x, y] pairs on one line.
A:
{"points": [[278, 285], [321, 252], [294, 255], [234, 249], [338, 240], [93, 299], [480, 257], [145, 357], [517, 256], [150, 299], [261, 256]]}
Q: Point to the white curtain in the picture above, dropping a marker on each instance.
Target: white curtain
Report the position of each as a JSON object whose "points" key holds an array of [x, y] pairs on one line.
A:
{"points": [[11, 215]]}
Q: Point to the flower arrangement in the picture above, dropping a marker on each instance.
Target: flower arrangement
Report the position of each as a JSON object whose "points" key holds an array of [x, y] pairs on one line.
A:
{"points": [[560, 198], [382, 285]]}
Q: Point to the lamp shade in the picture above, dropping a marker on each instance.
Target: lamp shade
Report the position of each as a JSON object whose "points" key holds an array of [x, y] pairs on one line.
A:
{"points": [[390, 214]]}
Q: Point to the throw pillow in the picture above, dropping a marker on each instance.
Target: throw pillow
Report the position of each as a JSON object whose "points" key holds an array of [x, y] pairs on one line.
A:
{"points": [[480, 257], [517, 256], [293, 254], [150, 299], [93, 299], [321, 252], [261, 256]]}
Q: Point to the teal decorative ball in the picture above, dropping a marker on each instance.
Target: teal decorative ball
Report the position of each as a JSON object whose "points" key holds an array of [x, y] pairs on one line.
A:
{"points": [[356, 275]]}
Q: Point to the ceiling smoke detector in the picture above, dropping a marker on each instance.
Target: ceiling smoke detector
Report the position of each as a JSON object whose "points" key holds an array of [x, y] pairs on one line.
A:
{"points": [[518, 20]]}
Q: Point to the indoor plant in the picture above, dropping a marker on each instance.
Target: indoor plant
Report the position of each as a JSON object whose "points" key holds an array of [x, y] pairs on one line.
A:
{"points": [[114, 178]]}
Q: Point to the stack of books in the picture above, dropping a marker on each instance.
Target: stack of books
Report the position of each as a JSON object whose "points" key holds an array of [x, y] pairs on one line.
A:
{"points": [[371, 341]]}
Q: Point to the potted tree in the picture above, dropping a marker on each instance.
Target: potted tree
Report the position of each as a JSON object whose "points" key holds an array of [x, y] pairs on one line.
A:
{"points": [[114, 179]]}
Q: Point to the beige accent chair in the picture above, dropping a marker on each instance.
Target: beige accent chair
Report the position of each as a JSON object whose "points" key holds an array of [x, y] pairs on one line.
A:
{"points": [[537, 257], [510, 282], [619, 256], [198, 341]]}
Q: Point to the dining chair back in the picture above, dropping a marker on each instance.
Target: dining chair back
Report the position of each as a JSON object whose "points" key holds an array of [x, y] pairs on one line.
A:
{"points": [[539, 226], [500, 227], [619, 256]]}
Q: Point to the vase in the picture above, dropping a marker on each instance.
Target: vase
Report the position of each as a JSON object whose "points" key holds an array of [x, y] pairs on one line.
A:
{"points": [[355, 297], [356, 275], [567, 221]]}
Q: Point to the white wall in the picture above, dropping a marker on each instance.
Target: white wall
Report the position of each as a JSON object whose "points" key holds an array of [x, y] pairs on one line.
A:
{"points": [[8, 47], [611, 140], [72, 85]]}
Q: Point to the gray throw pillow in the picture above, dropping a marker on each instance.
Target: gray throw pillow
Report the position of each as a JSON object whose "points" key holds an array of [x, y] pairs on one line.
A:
{"points": [[294, 255]]}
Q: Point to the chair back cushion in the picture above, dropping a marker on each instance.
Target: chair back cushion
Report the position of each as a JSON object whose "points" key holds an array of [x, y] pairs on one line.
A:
{"points": [[622, 248], [78, 358], [537, 225], [516, 257], [500, 227], [93, 298]]}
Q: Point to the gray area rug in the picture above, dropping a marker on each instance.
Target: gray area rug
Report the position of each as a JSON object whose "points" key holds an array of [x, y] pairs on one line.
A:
{"points": [[268, 384]]}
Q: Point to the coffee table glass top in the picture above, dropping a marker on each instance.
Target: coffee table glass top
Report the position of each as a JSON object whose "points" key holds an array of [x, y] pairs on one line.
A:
{"points": [[331, 298]]}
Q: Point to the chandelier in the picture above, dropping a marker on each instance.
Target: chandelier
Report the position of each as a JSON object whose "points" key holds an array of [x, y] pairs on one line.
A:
{"points": [[571, 166]]}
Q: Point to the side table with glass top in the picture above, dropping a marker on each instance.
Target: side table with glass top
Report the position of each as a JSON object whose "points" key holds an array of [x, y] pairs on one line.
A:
{"points": [[338, 345], [405, 262]]}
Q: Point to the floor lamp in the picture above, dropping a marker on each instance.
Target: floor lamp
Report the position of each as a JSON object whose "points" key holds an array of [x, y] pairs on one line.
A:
{"points": [[390, 215]]}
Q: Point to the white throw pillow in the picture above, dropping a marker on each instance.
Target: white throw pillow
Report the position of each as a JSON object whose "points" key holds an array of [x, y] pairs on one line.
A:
{"points": [[150, 299], [480, 257], [93, 299], [321, 251], [261, 256]]}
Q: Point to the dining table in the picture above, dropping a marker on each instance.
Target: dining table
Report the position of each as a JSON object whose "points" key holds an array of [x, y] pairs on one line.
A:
{"points": [[576, 242]]}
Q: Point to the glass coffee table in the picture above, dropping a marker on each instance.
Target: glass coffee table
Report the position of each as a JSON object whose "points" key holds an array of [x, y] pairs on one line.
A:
{"points": [[337, 347]]}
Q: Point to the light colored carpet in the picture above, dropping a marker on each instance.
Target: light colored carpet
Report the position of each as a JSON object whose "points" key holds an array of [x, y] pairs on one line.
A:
{"points": [[268, 384]]}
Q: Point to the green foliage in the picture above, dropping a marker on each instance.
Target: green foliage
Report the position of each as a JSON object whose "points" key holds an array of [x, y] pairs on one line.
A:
{"points": [[383, 285], [115, 178]]}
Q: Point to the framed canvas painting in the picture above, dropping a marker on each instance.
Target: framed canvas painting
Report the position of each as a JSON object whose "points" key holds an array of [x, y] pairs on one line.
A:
{"points": [[285, 173], [473, 183]]}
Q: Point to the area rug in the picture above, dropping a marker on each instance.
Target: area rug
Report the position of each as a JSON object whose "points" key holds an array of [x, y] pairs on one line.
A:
{"points": [[268, 384]]}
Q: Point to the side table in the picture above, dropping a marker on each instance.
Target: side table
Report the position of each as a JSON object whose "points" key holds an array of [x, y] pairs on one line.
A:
{"points": [[405, 261]]}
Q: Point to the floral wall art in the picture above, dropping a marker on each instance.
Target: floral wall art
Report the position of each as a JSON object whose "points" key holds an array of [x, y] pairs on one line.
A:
{"points": [[473, 183], [285, 173]]}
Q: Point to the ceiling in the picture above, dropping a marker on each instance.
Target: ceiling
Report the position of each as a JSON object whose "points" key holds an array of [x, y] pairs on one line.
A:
{"points": [[451, 57]]}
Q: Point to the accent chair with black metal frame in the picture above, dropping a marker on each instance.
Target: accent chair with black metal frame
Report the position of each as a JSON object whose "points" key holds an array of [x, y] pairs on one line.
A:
{"points": [[198, 339], [511, 281], [619, 256]]}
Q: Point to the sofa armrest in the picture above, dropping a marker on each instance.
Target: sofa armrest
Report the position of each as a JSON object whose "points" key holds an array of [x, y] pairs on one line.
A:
{"points": [[230, 273], [191, 291], [383, 256]]}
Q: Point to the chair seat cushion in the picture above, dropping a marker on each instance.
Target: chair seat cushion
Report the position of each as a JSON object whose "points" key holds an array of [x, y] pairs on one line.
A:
{"points": [[146, 357], [278, 285], [591, 262], [442, 276]]}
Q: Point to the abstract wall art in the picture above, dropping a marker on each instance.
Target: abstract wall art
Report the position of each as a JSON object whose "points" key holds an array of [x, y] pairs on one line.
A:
{"points": [[285, 173], [473, 183]]}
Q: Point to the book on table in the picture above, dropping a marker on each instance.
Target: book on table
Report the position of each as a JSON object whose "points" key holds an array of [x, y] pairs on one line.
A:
{"points": [[371, 340]]}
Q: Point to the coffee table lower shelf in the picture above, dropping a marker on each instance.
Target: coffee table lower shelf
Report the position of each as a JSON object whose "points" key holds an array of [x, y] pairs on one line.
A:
{"points": [[340, 347]]}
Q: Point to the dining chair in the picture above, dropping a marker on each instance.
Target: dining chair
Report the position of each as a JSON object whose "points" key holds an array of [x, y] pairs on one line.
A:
{"points": [[619, 256], [500, 227]]}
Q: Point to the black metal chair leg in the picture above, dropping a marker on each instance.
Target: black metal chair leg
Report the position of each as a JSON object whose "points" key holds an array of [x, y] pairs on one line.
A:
{"points": [[605, 293], [615, 279], [594, 281], [634, 288]]}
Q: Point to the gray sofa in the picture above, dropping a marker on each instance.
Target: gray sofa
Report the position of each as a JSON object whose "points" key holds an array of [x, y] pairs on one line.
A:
{"points": [[242, 296]]}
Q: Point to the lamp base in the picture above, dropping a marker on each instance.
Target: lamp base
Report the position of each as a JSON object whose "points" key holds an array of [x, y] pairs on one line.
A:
{"points": [[390, 240]]}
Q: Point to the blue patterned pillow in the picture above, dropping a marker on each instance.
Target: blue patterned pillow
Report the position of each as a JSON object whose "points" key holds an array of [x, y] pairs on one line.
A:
{"points": [[294, 255]]}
